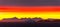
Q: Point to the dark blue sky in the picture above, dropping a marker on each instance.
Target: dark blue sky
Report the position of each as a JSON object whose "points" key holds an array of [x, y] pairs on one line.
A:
{"points": [[30, 2]]}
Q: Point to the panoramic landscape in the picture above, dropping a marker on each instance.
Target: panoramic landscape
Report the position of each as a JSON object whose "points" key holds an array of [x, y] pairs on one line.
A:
{"points": [[29, 13]]}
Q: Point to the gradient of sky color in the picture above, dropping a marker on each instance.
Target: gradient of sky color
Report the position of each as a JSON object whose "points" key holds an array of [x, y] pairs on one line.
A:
{"points": [[30, 8], [41, 11]]}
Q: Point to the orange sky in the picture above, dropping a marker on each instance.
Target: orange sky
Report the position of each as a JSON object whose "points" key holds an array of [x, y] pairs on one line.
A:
{"points": [[30, 9], [36, 11]]}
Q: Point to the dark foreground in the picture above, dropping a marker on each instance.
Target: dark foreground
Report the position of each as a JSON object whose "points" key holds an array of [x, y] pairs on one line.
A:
{"points": [[42, 24]]}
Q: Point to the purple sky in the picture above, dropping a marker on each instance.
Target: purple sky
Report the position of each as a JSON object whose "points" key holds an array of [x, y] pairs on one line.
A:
{"points": [[30, 2]]}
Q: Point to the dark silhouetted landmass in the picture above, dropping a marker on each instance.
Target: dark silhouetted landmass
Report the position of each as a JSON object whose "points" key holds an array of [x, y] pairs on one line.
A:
{"points": [[29, 22], [36, 19]]}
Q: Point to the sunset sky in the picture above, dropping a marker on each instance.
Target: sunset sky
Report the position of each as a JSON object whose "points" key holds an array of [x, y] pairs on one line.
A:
{"points": [[30, 8], [32, 11]]}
